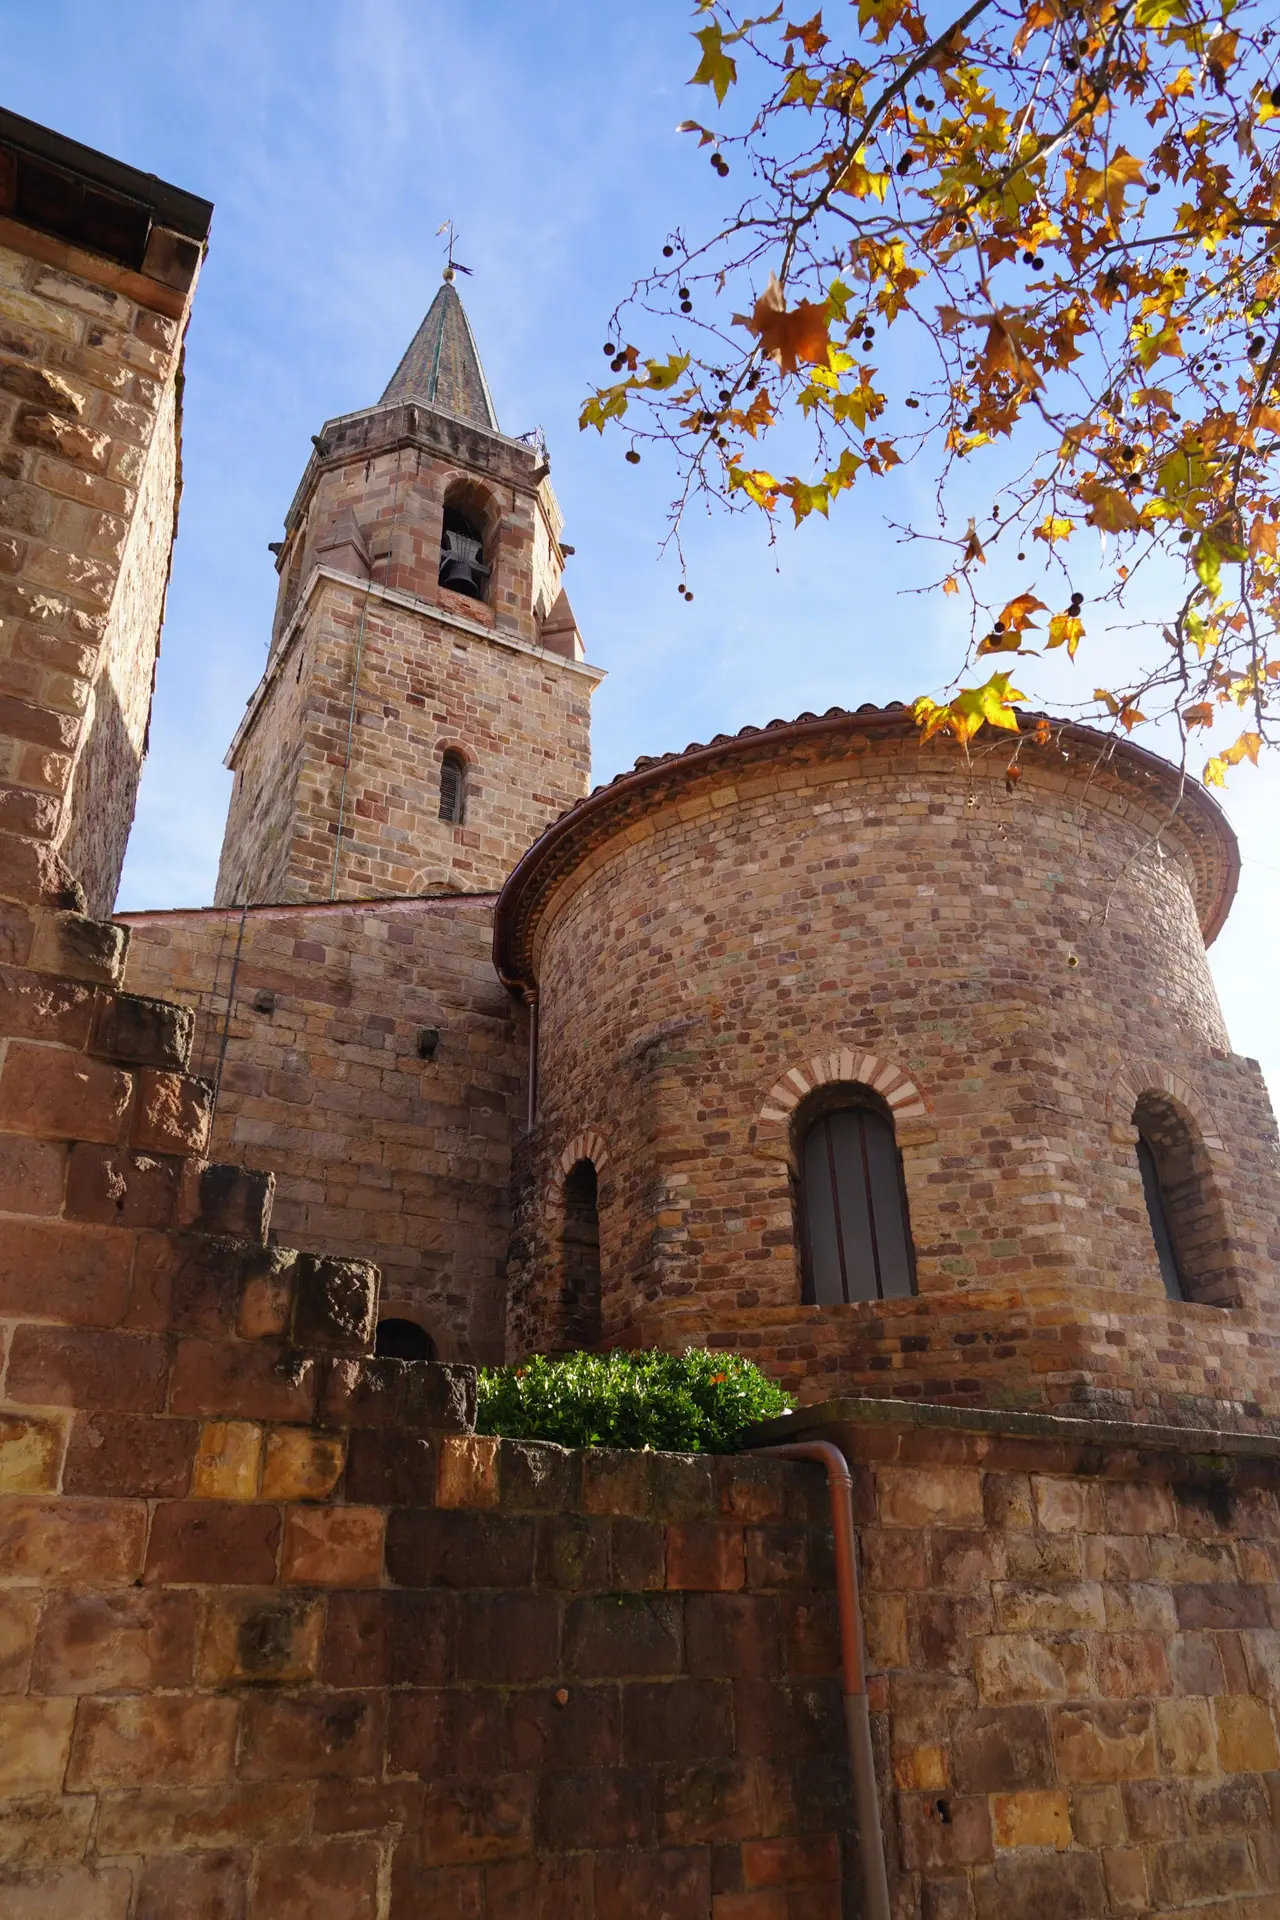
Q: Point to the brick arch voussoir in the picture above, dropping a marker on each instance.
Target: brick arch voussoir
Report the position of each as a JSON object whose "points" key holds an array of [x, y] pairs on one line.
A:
{"points": [[1138, 1077], [771, 1134], [590, 1144]]}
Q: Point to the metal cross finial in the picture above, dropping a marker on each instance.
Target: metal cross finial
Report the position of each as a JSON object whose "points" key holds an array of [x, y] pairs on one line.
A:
{"points": [[452, 266]]}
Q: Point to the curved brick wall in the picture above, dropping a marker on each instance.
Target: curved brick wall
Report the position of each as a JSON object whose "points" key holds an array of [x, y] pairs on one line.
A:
{"points": [[839, 902]]}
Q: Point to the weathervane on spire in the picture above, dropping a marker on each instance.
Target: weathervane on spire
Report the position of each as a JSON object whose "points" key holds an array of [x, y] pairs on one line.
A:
{"points": [[452, 266]]}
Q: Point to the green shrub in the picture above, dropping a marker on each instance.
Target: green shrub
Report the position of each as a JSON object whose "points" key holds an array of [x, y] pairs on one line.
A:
{"points": [[692, 1402]]}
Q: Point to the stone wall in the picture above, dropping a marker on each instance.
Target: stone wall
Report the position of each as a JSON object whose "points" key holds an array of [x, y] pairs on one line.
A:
{"points": [[88, 493], [1009, 966], [1073, 1630], [378, 1152], [280, 1641], [519, 716]]}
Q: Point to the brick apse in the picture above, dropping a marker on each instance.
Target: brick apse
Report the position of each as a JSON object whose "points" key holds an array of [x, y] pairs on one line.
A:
{"points": [[280, 1637]]}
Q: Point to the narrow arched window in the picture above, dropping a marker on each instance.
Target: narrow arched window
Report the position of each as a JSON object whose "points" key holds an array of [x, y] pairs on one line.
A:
{"points": [[1158, 1215], [453, 788], [463, 567], [580, 1289], [403, 1340], [855, 1234]]}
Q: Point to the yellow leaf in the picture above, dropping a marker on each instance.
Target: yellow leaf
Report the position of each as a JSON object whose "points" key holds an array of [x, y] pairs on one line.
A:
{"points": [[951, 584], [858, 179], [1245, 748], [1215, 772], [999, 643], [1065, 630], [1053, 527], [716, 69], [759, 486]]}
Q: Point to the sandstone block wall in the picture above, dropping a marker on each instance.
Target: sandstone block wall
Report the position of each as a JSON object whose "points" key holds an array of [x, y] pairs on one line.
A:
{"points": [[88, 493], [518, 716], [1076, 1653], [1009, 967], [378, 1153]]}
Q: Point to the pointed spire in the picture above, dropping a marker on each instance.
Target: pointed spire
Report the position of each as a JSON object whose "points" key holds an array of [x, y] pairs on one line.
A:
{"points": [[442, 367]]}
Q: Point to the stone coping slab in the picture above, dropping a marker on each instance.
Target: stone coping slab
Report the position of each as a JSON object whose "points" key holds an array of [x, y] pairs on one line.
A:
{"points": [[998, 1437]]}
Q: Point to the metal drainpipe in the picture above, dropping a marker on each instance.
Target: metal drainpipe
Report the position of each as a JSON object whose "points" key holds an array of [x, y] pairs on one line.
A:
{"points": [[866, 1798], [531, 1001]]}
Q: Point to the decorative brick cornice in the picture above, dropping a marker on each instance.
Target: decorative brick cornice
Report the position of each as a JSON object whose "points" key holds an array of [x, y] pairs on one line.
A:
{"points": [[1102, 768]]}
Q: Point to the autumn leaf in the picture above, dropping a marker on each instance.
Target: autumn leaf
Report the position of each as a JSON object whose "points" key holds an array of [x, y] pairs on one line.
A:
{"points": [[759, 486], [990, 705], [716, 69], [1215, 772], [1003, 352], [1199, 715], [1053, 527], [1017, 614], [810, 35], [1065, 630], [859, 180], [1110, 509], [791, 336], [1247, 747], [1107, 185]]}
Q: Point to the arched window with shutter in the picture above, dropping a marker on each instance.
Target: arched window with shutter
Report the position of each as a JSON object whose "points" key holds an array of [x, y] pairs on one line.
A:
{"points": [[453, 788], [854, 1229]]}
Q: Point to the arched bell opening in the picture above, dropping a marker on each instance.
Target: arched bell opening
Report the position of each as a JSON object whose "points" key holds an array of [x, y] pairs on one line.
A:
{"points": [[467, 541]]}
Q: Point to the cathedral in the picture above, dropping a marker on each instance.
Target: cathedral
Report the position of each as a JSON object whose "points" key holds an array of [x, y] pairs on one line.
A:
{"points": [[815, 1043], [840, 1050]]}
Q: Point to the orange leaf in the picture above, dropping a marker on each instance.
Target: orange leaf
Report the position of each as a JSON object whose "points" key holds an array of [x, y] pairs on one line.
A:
{"points": [[1201, 715], [1017, 615], [793, 337]]}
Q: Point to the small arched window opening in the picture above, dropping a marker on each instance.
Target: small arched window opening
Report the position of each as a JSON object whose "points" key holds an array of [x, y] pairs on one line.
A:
{"points": [[453, 788], [463, 566], [855, 1233], [1184, 1208], [580, 1286], [403, 1340]]}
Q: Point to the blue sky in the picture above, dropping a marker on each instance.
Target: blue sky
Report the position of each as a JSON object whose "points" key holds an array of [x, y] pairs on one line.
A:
{"points": [[334, 139]]}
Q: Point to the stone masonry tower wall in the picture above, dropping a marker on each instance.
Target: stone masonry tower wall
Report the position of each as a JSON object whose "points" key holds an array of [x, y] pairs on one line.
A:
{"points": [[378, 671], [833, 903], [97, 268]]}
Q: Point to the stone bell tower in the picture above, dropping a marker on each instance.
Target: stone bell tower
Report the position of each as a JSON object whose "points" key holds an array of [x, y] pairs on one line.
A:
{"points": [[425, 708]]}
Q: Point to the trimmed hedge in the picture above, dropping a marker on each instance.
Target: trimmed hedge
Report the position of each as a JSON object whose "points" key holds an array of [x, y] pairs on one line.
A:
{"points": [[692, 1402]]}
